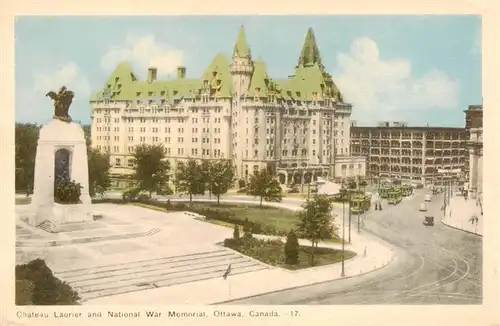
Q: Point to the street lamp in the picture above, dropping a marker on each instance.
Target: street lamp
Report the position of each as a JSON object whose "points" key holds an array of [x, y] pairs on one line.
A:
{"points": [[349, 206], [342, 274]]}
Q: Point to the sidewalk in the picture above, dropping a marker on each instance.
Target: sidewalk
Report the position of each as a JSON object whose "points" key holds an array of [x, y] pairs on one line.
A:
{"points": [[212, 291], [459, 214]]}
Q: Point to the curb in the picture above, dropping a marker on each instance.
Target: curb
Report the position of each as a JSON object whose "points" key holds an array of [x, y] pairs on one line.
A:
{"points": [[460, 229], [303, 286]]}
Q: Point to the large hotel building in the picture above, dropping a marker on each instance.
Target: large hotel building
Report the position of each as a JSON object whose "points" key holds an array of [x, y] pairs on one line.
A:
{"points": [[299, 126], [418, 154]]}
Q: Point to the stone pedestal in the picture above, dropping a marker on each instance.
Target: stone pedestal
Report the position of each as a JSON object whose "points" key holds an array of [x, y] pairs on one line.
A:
{"points": [[60, 136]]}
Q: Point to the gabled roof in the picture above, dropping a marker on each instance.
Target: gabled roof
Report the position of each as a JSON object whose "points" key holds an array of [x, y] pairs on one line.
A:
{"points": [[124, 85], [218, 76], [259, 79]]}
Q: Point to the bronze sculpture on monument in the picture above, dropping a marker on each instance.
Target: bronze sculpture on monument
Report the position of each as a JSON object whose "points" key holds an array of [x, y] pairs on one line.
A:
{"points": [[62, 102]]}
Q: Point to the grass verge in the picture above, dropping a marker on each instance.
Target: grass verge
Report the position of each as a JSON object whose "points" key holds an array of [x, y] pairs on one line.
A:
{"points": [[272, 252]]}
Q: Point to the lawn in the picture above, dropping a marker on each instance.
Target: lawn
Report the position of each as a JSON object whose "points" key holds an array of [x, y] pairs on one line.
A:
{"points": [[272, 253], [23, 201], [281, 219]]}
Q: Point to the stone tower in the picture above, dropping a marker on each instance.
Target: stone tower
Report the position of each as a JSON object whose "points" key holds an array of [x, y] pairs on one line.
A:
{"points": [[242, 65]]}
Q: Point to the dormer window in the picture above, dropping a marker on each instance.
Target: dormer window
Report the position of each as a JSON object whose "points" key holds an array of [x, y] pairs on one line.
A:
{"points": [[138, 94]]}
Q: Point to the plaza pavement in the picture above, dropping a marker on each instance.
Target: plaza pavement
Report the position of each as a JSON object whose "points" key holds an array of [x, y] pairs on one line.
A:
{"points": [[459, 214], [107, 272], [214, 290]]}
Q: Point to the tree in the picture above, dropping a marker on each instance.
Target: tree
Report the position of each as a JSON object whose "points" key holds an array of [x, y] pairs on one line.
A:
{"points": [[292, 249], [88, 136], [191, 179], [363, 184], [25, 154], [99, 165], [220, 177], [315, 221], [151, 168], [236, 232], [262, 184]]}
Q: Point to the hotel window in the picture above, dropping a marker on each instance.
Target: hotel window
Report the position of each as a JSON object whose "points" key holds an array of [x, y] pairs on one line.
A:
{"points": [[118, 162]]}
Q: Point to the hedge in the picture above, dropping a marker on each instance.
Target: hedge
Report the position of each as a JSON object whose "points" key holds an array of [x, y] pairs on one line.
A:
{"points": [[36, 285]]}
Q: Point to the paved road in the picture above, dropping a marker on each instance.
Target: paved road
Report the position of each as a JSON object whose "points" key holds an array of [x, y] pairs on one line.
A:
{"points": [[438, 265]]}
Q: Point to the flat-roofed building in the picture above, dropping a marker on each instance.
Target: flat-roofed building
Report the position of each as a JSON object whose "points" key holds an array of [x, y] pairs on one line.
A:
{"points": [[396, 150]]}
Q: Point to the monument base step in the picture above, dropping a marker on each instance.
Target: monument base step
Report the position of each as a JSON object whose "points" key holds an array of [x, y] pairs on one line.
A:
{"points": [[66, 240]]}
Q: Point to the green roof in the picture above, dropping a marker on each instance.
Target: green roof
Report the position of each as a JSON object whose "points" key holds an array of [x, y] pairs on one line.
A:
{"points": [[310, 51], [124, 85], [219, 77], [310, 77], [259, 80], [241, 48]]}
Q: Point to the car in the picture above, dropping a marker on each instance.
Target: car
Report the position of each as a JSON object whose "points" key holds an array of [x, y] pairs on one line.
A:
{"points": [[423, 207], [429, 221], [427, 198]]}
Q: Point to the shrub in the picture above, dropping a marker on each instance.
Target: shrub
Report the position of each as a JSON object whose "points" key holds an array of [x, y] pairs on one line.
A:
{"points": [[241, 183], [24, 292], [236, 232], [67, 191], [131, 194], [165, 191], [247, 228], [36, 285], [292, 249], [232, 243]]}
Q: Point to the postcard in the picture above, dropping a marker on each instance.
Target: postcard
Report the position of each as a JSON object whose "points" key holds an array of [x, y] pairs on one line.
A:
{"points": [[243, 169]]}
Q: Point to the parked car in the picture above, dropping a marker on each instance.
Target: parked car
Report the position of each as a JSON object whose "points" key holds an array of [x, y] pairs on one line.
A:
{"points": [[429, 221], [423, 207], [427, 198]]}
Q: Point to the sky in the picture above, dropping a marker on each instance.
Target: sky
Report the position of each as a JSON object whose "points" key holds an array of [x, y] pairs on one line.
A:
{"points": [[417, 69]]}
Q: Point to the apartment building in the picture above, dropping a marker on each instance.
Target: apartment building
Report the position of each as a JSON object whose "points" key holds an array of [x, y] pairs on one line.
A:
{"points": [[298, 126], [396, 150]]}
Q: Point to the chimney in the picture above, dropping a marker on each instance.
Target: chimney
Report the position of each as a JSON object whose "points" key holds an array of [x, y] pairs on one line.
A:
{"points": [[181, 72], [152, 72]]}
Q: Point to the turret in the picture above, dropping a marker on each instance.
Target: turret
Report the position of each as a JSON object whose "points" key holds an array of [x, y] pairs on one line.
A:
{"points": [[310, 51], [242, 66]]}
